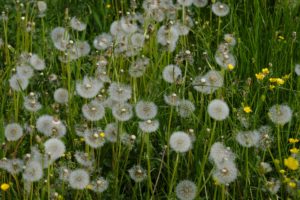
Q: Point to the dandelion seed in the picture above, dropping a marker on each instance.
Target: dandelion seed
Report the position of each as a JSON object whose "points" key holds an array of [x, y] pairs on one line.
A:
{"points": [[64, 173], [224, 59], [149, 125], [13, 166], [171, 73], [100, 185], [37, 63], [82, 48], [220, 154], [77, 25], [50, 126], [122, 112], [137, 173], [84, 159], [93, 139], [61, 95], [119, 92], [273, 186], [208, 83], [137, 40], [55, 148], [33, 171], [186, 190], [180, 142], [128, 24], [297, 69], [138, 68], [218, 109], [280, 114], [200, 3], [60, 38], [265, 137], [24, 71], [185, 108], [172, 99], [93, 111], [88, 87], [181, 28], [220, 9], [167, 35], [13, 132], [31, 104], [79, 179], [248, 138], [225, 173], [145, 110], [103, 41], [18, 83], [111, 131], [101, 74]]}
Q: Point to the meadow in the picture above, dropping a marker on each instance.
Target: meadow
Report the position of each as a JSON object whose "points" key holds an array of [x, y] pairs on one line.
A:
{"points": [[149, 99]]}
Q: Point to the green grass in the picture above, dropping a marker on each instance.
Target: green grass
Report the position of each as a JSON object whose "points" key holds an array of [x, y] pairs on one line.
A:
{"points": [[267, 34]]}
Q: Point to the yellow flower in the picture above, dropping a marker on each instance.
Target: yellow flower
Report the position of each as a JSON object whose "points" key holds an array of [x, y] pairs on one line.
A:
{"points": [[293, 141], [108, 5], [279, 81], [291, 163], [285, 77], [294, 150], [280, 37], [272, 87], [230, 67], [4, 186], [89, 186], [273, 80], [282, 171], [292, 184], [102, 134], [247, 109], [259, 76], [265, 71]]}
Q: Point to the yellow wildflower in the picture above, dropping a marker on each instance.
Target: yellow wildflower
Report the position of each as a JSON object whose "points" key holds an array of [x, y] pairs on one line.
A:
{"points": [[89, 186], [291, 163], [273, 80], [293, 141], [292, 184], [230, 67], [282, 171], [5, 186], [294, 150], [272, 87], [102, 134], [259, 76], [108, 5], [285, 77], [247, 109], [279, 81], [280, 37], [265, 71]]}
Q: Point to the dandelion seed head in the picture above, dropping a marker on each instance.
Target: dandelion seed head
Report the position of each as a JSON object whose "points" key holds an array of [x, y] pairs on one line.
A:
{"points": [[220, 154], [200, 3], [149, 125], [280, 114], [103, 41], [33, 171], [18, 83], [61, 95], [37, 63], [145, 110], [13, 132], [137, 173], [122, 112], [55, 148], [225, 173], [172, 99], [218, 109], [119, 92], [79, 179], [13, 166], [220, 9], [88, 87], [77, 25], [93, 111], [185, 108], [186, 190], [24, 71], [208, 83], [84, 159], [248, 138], [297, 69], [100, 185], [92, 138], [171, 73], [180, 142], [111, 132]]}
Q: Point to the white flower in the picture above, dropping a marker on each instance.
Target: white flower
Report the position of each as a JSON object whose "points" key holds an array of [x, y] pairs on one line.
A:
{"points": [[220, 9], [55, 148], [218, 109]]}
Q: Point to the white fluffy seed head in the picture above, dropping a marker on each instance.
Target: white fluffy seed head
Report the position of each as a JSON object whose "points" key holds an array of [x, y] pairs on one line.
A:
{"points": [[61, 95], [77, 25], [180, 142], [186, 190], [248, 138], [171, 73], [122, 112], [55, 148], [24, 71], [149, 125], [225, 173], [88, 87], [280, 114], [13, 132], [185, 108], [18, 83], [220, 154], [100, 185], [145, 110], [137, 173], [218, 109], [93, 138], [79, 179], [297, 69], [220, 9], [37, 63], [119, 92], [33, 171], [208, 83], [93, 111], [103, 41]]}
